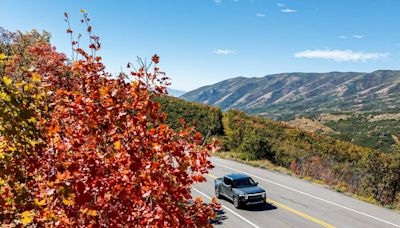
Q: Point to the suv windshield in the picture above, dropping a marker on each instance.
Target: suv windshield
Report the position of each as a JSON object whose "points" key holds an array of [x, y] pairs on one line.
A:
{"points": [[243, 182]]}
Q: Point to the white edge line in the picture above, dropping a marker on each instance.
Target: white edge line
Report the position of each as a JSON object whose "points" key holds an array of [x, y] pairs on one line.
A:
{"points": [[243, 218], [307, 194]]}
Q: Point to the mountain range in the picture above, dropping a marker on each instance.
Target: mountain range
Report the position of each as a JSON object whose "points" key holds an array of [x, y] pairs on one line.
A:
{"points": [[287, 95], [175, 92]]}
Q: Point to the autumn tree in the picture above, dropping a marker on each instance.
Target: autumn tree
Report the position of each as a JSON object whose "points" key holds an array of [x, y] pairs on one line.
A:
{"points": [[103, 155]]}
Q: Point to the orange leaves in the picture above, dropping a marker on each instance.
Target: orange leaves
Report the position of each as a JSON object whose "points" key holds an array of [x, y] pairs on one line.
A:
{"points": [[103, 91], [117, 145], [155, 59], [63, 176], [54, 129], [198, 178]]}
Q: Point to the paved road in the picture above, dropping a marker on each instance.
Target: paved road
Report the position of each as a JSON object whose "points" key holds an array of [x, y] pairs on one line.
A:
{"points": [[293, 202]]}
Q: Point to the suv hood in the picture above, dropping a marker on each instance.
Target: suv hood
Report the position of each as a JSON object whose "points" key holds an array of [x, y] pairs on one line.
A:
{"points": [[249, 190]]}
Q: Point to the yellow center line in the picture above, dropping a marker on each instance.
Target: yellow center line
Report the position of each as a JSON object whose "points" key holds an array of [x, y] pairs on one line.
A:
{"points": [[212, 176], [294, 211]]}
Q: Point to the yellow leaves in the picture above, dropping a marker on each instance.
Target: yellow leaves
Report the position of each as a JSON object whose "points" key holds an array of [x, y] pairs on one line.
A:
{"points": [[89, 212], [68, 202], [7, 80], [32, 120], [29, 86], [2, 56], [27, 217], [19, 84], [83, 11], [92, 212], [3, 143], [33, 142], [36, 77], [40, 202], [5, 96], [117, 145]]}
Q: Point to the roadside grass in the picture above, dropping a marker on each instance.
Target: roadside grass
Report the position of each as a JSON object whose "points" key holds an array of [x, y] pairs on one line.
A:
{"points": [[266, 164]]}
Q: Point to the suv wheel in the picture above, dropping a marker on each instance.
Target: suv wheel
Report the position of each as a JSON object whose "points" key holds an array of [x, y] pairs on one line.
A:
{"points": [[217, 193], [236, 202]]}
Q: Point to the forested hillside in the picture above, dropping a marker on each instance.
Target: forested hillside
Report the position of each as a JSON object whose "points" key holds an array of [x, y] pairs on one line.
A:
{"points": [[206, 118], [369, 173]]}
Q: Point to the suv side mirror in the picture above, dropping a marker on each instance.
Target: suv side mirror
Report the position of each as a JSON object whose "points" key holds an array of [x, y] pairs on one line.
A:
{"points": [[256, 183]]}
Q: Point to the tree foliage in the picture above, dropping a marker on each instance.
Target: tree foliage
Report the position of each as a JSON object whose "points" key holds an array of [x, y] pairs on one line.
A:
{"points": [[255, 146], [206, 119], [81, 148]]}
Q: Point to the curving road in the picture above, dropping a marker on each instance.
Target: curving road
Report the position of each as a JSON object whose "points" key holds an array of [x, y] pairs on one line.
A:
{"points": [[293, 202]]}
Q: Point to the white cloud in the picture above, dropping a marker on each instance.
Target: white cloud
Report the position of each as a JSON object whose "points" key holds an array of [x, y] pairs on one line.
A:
{"points": [[224, 52], [287, 10], [341, 55], [358, 36], [280, 5], [260, 14], [342, 37], [218, 2]]}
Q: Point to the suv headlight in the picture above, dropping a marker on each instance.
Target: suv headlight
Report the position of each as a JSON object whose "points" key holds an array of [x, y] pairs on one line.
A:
{"points": [[264, 195], [244, 196]]}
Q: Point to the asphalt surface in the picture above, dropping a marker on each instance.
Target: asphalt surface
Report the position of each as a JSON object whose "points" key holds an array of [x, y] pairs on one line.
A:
{"points": [[293, 202]]}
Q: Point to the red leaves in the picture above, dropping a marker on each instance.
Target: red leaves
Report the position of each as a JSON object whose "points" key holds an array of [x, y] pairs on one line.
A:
{"points": [[155, 59], [107, 153]]}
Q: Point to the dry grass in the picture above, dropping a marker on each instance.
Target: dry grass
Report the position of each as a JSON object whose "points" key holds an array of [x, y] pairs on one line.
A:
{"points": [[309, 125], [264, 164]]}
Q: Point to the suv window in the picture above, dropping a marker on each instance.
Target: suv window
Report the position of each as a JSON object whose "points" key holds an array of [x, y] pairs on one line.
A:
{"points": [[227, 181], [244, 182]]}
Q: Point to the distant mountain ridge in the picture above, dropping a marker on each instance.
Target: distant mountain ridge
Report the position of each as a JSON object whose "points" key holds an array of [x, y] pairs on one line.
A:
{"points": [[175, 92], [283, 96]]}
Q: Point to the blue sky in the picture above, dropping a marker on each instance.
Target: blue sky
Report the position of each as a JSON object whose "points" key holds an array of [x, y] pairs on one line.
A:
{"points": [[201, 42]]}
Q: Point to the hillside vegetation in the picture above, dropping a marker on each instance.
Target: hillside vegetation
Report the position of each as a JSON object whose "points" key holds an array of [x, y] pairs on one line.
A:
{"points": [[368, 173], [378, 131], [206, 118], [290, 96]]}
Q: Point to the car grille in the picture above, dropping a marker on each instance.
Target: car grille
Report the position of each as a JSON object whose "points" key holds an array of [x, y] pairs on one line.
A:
{"points": [[255, 197]]}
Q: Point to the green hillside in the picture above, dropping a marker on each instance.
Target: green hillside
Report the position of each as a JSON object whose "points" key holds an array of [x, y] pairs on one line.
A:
{"points": [[206, 118]]}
